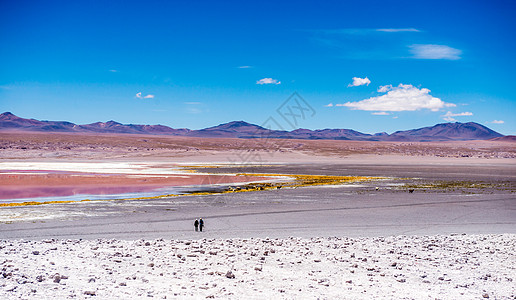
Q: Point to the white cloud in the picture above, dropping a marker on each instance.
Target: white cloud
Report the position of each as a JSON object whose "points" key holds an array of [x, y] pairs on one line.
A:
{"points": [[139, 96], [329, 105], [113, 71], [430, 51], [268, 81], [244, 67], [357, 81], [365, 31], [398, 30], [404, 97], [381, 113], [498, 122], [449, 116], [395, 117], [384, 88]]}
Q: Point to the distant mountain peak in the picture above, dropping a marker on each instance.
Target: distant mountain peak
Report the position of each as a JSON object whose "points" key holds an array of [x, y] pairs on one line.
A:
{"points": [[111, 122], [236, 125], [7, 115]]}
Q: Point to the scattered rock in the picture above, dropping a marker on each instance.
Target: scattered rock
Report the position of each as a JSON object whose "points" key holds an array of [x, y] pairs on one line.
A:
{"points": [[230, 275]]}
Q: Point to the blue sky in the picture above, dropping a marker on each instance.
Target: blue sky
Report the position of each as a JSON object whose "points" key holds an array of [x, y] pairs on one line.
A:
{"points": [[367, 65]]}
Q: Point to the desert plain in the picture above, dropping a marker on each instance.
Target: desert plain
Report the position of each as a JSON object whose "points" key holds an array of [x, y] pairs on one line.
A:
{"points": [[111, 216]]}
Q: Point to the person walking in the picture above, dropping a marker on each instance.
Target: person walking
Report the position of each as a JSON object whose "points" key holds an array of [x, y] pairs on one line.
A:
{"points": [[201, 224], [196, 225]]}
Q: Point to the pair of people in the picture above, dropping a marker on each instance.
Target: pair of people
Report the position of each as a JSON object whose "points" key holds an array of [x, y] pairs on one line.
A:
{"points": [[199, 224]]}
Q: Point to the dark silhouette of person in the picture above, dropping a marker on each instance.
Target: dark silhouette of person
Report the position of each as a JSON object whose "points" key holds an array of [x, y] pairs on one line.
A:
{"points": [[201, 224], [196, 225]]}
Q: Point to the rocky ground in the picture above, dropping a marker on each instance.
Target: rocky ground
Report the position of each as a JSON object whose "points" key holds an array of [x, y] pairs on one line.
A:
{"points": [[401, 267]]}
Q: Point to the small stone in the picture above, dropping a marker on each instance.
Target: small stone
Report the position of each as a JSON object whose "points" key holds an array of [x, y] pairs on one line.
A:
{"points": [[40, 278], [485, 295], [230, 275], [35, 252], [89, 293]]}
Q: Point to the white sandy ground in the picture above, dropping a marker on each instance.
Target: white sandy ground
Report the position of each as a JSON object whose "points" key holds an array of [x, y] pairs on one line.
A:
{"points": [[93, 167], [398, 267]]}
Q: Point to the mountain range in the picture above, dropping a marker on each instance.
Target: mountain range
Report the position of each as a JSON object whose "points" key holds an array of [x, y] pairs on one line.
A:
{"points": [[240, 129]]}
